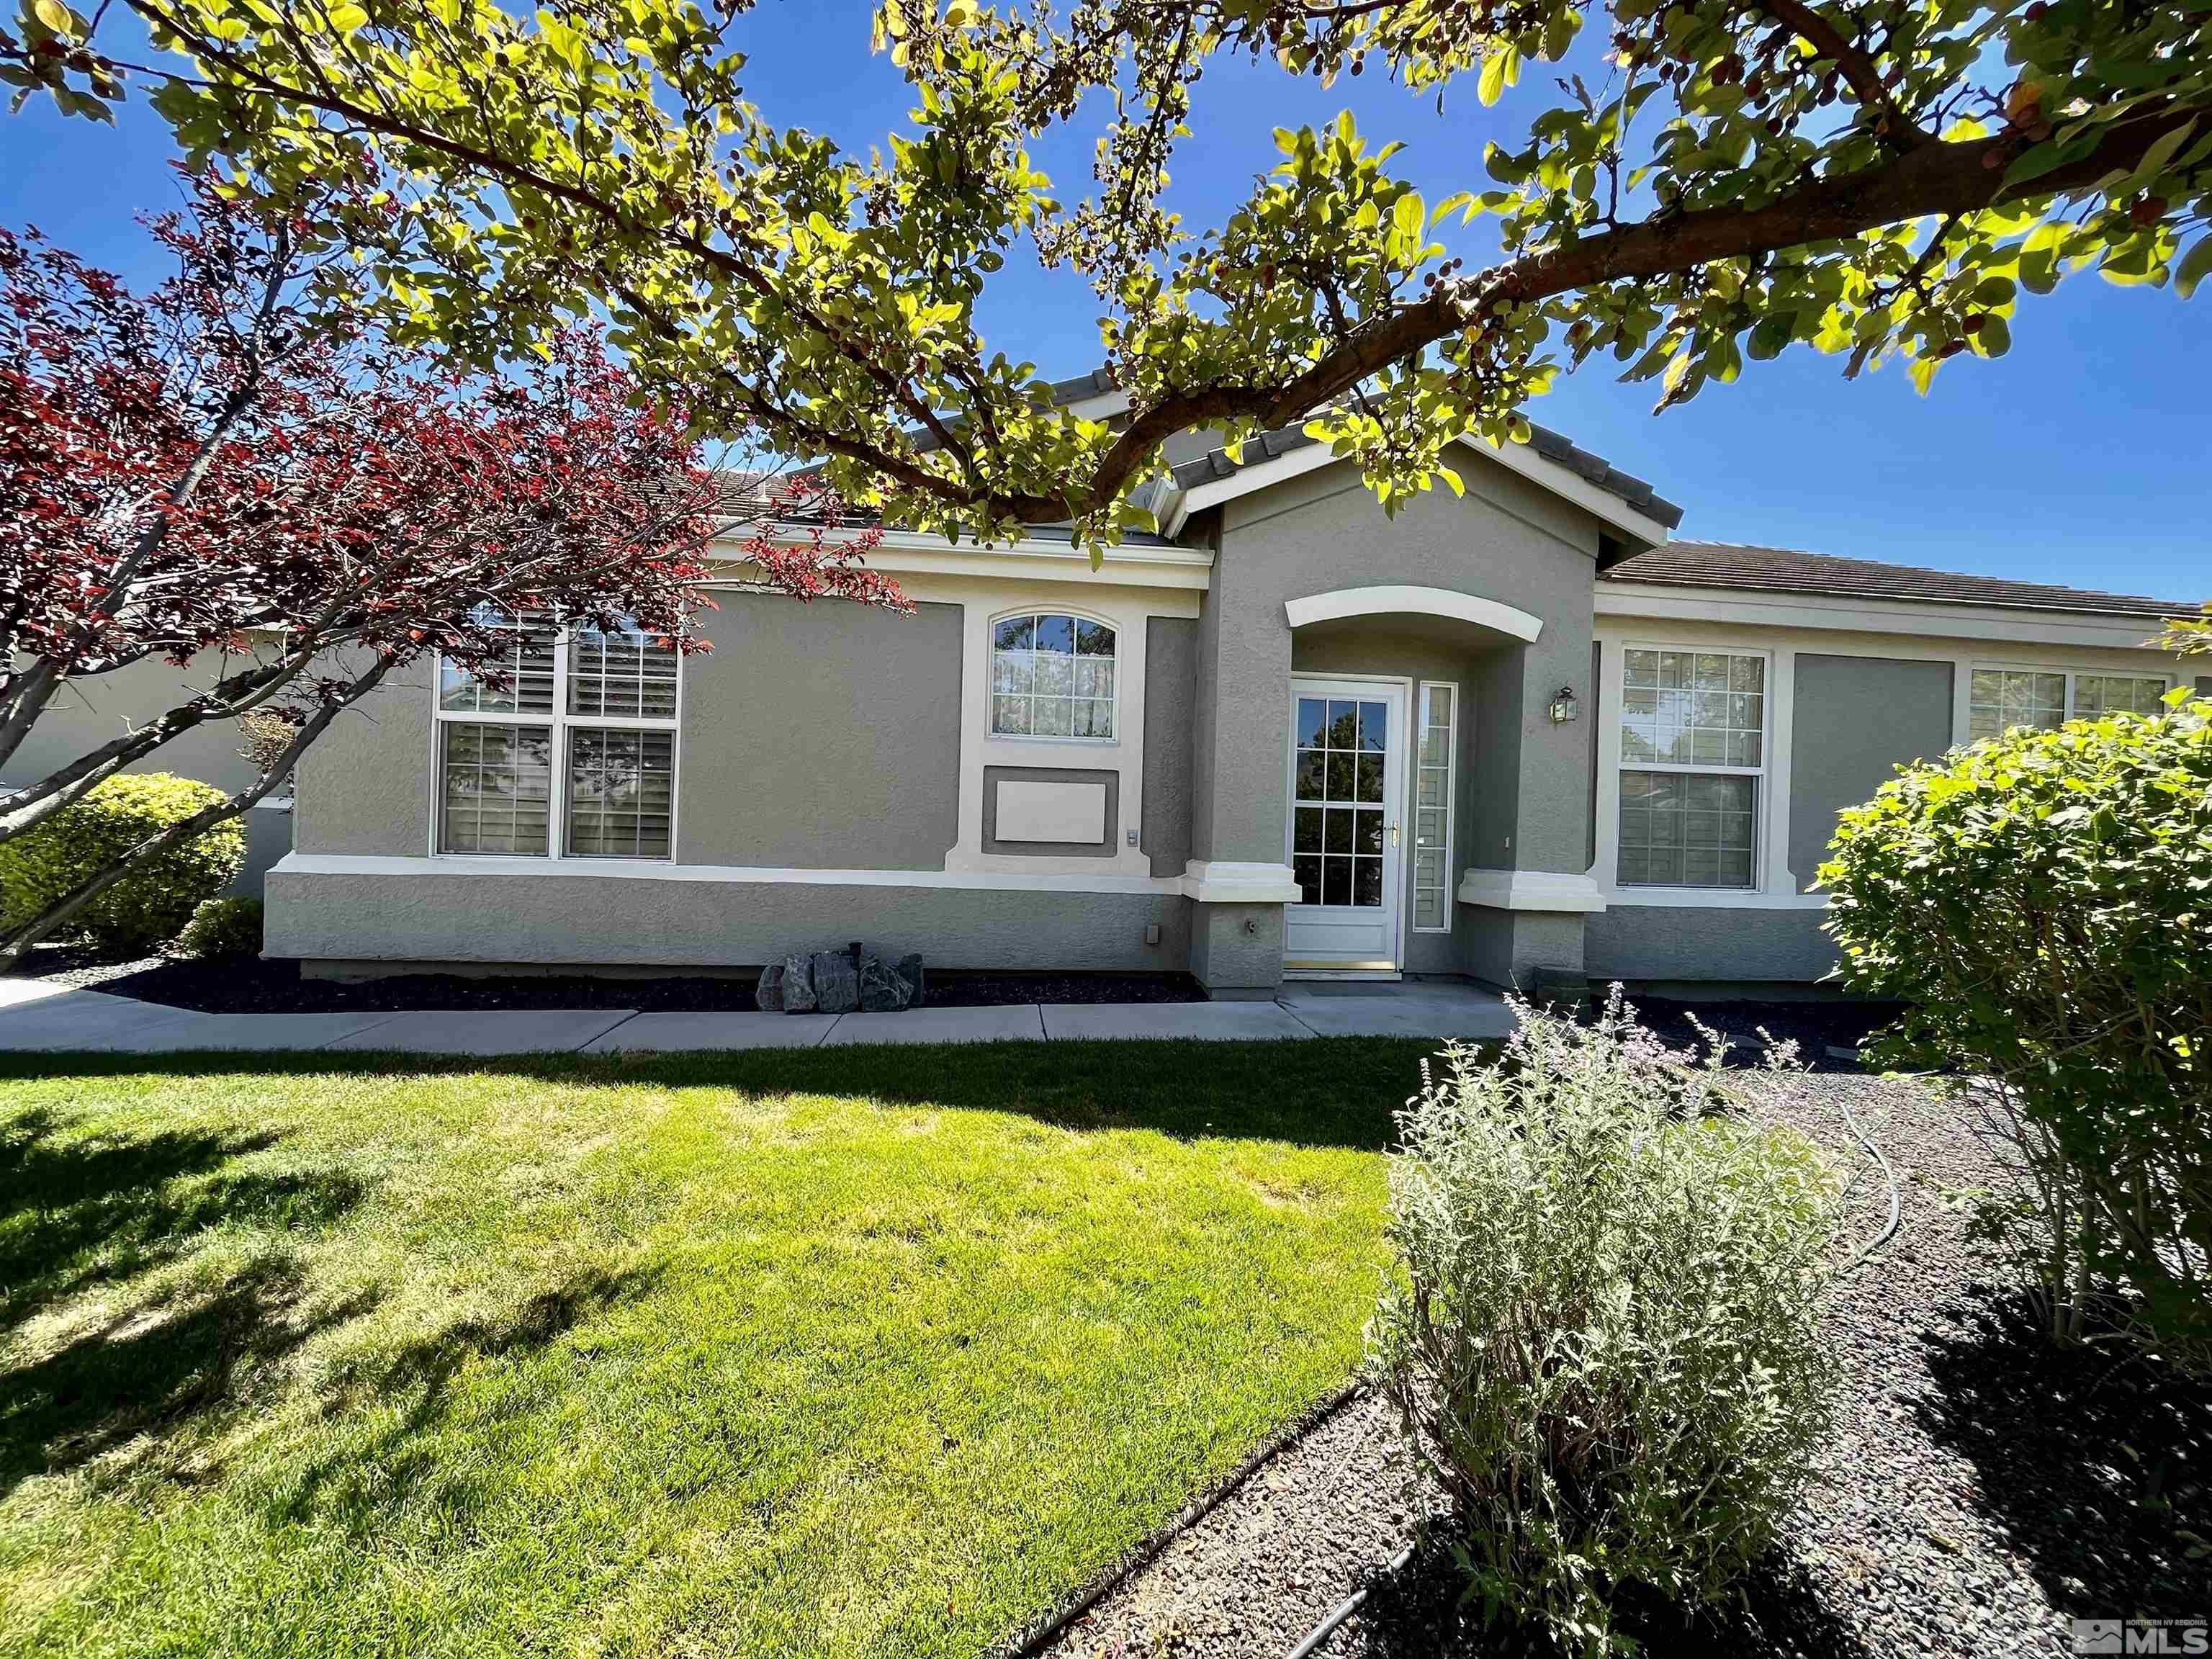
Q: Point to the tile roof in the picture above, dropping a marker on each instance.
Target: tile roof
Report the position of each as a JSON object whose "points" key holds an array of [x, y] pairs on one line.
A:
{"points": [[1787, 570], [1551, 446]]}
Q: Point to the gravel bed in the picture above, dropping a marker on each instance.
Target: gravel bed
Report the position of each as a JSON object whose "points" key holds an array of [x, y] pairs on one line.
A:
{"points": [[1978, 1490], [250, 985]]}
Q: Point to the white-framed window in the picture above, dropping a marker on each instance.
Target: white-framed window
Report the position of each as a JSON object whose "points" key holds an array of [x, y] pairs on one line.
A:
{"points": [[1053, 675], [2000, 696], [588, 723], [1693, 766], [1432, 807]]}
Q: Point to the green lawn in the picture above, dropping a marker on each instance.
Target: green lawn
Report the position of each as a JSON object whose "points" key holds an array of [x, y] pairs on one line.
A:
{"points": [[862, 1352]]}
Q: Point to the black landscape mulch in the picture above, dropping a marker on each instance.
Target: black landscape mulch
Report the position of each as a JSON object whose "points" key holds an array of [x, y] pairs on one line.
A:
{"points": [[248, 984]]}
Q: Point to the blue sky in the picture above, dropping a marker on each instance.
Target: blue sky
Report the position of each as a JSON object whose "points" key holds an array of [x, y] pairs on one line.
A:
{"points": [[2083, 457]]}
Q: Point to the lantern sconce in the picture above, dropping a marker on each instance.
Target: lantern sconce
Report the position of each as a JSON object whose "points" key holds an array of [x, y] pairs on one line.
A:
{"points": [[1564, 708]]}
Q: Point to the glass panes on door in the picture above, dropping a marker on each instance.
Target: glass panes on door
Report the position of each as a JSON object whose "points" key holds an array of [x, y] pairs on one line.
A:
{"points": [[1432, 798], [1336, 825]]}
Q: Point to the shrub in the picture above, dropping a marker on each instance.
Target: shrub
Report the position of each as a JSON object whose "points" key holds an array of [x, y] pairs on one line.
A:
{"points": [[146, 908], [223, 927], [2044, 899], [1603, 1344]]}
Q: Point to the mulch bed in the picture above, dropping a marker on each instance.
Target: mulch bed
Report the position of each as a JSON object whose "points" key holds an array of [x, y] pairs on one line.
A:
{"points": [[1979, 1490], [249, 985]]}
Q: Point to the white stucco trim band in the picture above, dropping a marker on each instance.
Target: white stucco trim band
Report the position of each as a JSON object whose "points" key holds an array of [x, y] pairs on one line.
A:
{"points": [[1385, 601], [1948, 619], [1207, 883], [362, 864], [904, 553], [1530, 890], [1218, 882]]}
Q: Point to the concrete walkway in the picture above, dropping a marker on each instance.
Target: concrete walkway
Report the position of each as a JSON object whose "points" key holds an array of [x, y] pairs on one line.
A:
{"points": [[36, 1016]]}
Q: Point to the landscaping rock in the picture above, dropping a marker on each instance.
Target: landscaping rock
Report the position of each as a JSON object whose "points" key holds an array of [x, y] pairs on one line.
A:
{"points": [[798, 996], [909, 969], [836, 983], [883, 990], [768, 995]]}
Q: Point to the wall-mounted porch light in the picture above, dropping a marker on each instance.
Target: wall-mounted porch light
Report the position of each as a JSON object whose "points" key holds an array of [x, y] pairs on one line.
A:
{"points": [[1564, 708]]}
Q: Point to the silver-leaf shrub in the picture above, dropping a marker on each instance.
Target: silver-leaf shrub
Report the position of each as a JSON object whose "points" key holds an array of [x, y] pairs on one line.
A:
{"points": [[1602, 1342]]}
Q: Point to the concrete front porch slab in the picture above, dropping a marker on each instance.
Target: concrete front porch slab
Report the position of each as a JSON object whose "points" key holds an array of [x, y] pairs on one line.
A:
{"points": [[676, 1033], [487, 1031], [1011, 1023], [1412, 1009], [1218, 1021]]}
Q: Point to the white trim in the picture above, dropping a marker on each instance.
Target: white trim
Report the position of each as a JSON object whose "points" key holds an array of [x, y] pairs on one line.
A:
{"points": [[1099, 405], [1127, 610], [1339, 602], [1939, 618], [356, 863], [1523, 459], [1216, 882], [1530, 890], [1419, 721], [1773, 886], [904, 552]]}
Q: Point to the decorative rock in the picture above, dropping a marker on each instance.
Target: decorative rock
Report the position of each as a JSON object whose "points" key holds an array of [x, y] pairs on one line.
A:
{"points": [[798, 987], [768, 995], [883, 990], [909, 969], [836, 983]]}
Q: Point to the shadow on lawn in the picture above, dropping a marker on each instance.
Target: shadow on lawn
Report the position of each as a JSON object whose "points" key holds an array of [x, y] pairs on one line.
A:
{"points": [[1416, 1615], [76, 1213], [2096, 1460], [356, 1482], [1335, 1091], [80, 1213]]}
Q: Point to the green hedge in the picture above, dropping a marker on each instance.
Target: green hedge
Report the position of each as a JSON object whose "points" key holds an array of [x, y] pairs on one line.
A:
{"points": [[2044, 899], [223, 927], [148, 908]]}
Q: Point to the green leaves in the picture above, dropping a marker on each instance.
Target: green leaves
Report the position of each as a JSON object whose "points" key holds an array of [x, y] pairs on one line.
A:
{"points": [[1500, 69]]}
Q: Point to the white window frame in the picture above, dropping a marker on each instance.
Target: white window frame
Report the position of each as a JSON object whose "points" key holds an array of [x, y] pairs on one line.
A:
{"points": [[1421, 721], [2071, 676], [1762, 813], [561, 722], [1012, 613]]}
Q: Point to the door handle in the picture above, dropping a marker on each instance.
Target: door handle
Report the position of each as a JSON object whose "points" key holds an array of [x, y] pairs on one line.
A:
{"points": [[1394, 835]]}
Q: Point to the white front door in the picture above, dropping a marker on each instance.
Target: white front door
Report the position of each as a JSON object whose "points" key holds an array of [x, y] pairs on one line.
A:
{"points": [[1346, 784]]}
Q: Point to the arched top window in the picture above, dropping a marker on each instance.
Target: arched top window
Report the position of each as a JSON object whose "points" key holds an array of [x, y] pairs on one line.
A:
{"points": [[1052, 676]]}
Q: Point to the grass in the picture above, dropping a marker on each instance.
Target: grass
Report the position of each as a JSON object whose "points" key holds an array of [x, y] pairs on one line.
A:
{"points": [[812, 1352]]}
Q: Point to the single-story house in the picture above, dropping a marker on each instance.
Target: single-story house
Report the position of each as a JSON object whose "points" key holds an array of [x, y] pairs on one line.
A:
{"points": [[1514, 735]]}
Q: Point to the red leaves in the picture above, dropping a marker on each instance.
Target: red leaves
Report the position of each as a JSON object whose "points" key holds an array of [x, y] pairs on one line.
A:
{"points": [[234, 455]]}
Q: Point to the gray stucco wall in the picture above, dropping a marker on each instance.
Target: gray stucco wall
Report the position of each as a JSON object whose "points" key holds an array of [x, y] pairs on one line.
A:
{"points": [[1507, 541], [364, 786], [1857, 718], [676, 923], [821, 736], [1648, 942], [1525, 781], [1170, 695]]}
